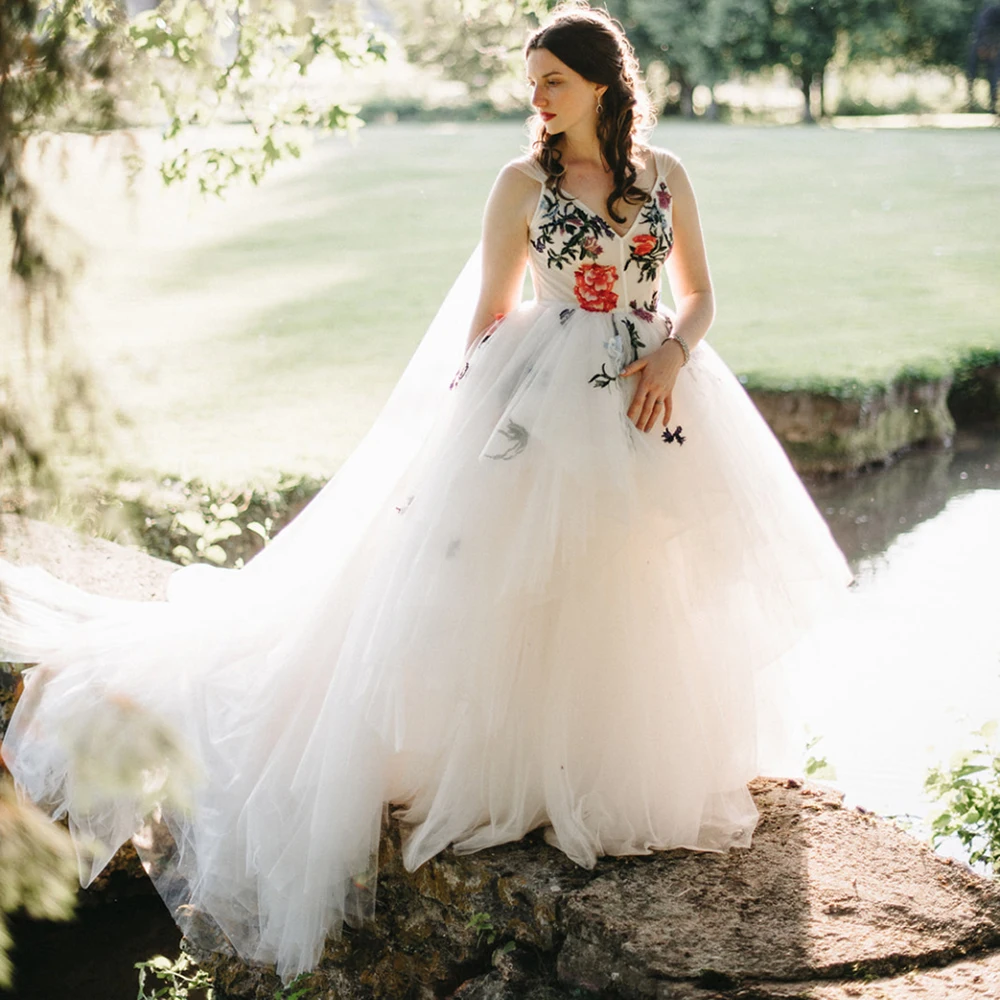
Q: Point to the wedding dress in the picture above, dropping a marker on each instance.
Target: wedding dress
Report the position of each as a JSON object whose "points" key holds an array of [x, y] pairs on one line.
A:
{"points": [[509, 609]]}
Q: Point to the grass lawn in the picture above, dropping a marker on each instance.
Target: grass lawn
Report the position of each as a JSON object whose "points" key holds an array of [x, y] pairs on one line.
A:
{"points": [[262, 333]]}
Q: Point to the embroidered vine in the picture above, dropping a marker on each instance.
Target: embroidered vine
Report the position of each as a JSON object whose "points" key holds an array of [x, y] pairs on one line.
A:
{"points": [[650, 249], [633, 337], [582, 230], [616, 351], [646, 310], [603, 378], [518, 437]]}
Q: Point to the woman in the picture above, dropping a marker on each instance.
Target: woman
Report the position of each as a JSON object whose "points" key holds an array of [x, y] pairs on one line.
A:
{"points": [[514, 606]]}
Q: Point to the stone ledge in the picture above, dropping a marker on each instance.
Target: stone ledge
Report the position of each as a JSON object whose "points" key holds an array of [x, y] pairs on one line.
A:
{"points": [[827, 899]]}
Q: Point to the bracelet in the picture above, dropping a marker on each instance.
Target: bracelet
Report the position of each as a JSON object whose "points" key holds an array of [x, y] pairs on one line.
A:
{"points": [[684, 347]]}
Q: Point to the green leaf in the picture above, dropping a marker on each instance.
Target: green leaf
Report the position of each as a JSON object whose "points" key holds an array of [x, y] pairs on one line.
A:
{"points": [[215, 554], [192, 521], [221, 531], [182, 554]]}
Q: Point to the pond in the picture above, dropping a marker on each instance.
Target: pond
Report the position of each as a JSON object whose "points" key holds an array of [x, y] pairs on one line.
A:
{"points": [[917, 670], [916, 666]]}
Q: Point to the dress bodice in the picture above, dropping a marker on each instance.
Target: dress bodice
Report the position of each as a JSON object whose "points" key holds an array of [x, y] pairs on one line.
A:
{"points": [[577, 257]]}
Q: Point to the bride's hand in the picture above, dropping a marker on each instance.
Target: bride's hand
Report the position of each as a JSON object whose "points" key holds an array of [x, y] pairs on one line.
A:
{"points": [[657, 373]]}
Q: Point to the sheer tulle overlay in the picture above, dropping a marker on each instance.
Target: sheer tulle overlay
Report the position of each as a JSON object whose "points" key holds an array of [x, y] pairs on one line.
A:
{"points": [[509, 609]]}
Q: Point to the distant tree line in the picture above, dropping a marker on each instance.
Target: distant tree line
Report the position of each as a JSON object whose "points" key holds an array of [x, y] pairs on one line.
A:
{"points": [[708, 41], [705, 42]]}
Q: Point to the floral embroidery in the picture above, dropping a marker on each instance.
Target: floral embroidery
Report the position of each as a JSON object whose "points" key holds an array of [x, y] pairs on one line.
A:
{"points": [[616, 351], [591, 247], [459, 375], [603, 378], [646, 310], [663, 196], [633, 338], [650, 250], [594, 288], [670, 436], [582, 230], [518, 437], [643, 244], [564, 316]]}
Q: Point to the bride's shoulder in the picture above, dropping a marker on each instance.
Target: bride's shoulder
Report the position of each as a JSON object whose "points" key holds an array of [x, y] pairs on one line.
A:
{"points": [[517, 188], [518, 181], [665, 159], [525, 167]]}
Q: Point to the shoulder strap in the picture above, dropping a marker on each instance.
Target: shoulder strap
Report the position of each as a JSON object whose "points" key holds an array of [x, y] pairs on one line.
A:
{"points": [[530, 166], [665, 160]]}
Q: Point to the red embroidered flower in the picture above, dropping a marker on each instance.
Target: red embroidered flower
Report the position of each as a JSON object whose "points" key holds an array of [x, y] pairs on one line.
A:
{"points": [[663, 196], [643, 244], [594, 287]]}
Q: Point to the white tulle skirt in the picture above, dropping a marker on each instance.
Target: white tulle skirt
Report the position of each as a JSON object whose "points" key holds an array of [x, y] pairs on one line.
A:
{"points": [[534, 615]]}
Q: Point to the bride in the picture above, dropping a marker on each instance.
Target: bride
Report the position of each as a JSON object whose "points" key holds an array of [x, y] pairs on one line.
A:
{"points": [[547, 590]]}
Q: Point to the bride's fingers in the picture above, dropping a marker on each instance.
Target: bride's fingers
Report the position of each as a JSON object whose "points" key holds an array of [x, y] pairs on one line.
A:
{"points": [[668, 407], [646, 410], [636, 409], [649, 412]]}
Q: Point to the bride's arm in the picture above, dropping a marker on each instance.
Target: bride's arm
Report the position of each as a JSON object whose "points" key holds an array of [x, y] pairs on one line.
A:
{"points": [[691, 288], [687, 265], [505, 247]]}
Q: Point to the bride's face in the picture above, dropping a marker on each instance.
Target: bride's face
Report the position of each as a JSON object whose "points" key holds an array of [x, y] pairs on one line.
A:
{"points": [[564, 99]]}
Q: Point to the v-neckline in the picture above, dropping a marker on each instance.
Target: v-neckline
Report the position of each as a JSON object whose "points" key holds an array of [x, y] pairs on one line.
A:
{"points": [[638, 215]]}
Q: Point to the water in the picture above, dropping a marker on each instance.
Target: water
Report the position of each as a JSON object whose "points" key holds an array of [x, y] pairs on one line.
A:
{"points": [[914, 668], [902, 686]]}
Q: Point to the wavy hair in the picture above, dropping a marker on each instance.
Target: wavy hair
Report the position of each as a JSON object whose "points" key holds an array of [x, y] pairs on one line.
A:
{"points": [[593, 44]]}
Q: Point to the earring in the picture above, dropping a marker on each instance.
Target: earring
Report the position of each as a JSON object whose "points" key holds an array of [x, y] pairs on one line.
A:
{"points": [[600, 108]]}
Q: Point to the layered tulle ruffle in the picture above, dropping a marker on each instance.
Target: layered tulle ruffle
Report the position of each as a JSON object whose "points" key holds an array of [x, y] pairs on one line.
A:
{"points": [[539, 616]]}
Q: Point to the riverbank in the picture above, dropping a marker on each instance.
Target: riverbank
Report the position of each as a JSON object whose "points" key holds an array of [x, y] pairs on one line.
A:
{"points": [[847, 428]]}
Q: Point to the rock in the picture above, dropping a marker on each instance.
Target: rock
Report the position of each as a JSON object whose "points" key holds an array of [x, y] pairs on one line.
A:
{"points": [[822, 432], [828, 903], [94, 564]]}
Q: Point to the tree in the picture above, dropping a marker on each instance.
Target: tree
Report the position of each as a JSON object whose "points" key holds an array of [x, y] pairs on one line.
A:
{"points": [[699, 41], [804, 36], [674, 32], [918, 33], [471, 41], [936, 33], [73, 64], [59, 66]]}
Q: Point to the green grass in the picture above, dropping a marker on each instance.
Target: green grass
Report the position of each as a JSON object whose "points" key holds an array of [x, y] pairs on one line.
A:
{"points": [[263, 333]]}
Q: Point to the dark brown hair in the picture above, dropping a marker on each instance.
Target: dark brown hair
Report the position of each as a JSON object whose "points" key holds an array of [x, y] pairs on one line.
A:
{"points": [[590, 42]]}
